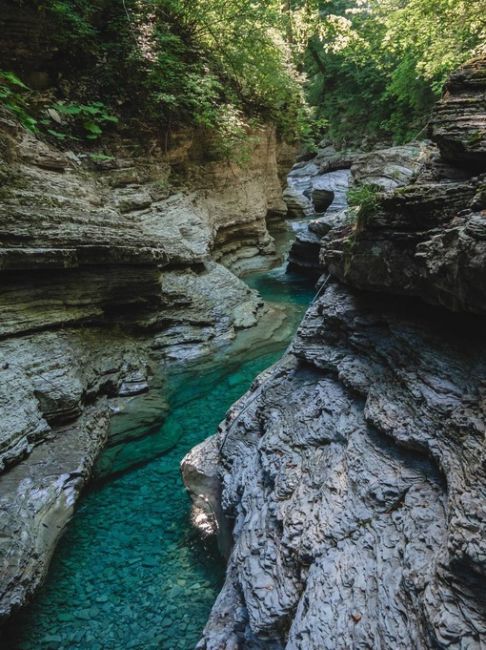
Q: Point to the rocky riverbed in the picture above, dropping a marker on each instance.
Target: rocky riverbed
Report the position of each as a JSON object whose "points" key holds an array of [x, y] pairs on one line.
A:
{"points": [[130, 570]]}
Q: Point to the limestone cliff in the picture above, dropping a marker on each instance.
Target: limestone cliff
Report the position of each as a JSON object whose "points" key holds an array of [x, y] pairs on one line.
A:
{"points": [[107, 270], [351, 477]]}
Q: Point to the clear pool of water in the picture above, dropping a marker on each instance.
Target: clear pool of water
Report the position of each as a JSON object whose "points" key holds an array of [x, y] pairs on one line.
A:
{"points": [[130, 571]]}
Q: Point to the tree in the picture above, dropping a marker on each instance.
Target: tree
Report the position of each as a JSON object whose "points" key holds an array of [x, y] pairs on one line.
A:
{"points": [[376, 67]]}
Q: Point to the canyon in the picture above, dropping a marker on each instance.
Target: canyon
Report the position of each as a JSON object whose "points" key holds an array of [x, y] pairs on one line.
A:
{"points": [[144, 291], [107, 273]]}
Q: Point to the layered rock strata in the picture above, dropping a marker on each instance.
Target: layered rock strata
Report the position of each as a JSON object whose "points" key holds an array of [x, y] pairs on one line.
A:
{"points": [[458, 125], [316, 190], [428, 239], [327, 180], [352, 473], [107, 270]]}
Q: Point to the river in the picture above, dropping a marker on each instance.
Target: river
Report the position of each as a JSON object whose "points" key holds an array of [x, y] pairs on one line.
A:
{"points": [[130, 571]]}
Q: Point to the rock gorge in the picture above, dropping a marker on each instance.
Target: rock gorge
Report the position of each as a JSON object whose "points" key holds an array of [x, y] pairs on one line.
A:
{"points": [[350, 480], [346, 489], [107, 270]]}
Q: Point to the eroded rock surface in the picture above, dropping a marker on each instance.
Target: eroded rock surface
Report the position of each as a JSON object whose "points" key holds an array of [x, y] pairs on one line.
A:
{"points": [[37, 499], [353, 471], [428, 238], [459, 124], [354, 477], [391, 167], [316, 188], [328, 184]]}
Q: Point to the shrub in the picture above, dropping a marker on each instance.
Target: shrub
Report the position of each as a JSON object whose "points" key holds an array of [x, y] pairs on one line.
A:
{"points": [[79, 121], [365, 198], [13, 97]]}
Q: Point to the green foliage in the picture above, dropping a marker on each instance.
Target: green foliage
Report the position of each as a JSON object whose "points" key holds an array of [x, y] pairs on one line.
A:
{"points": [[86, 119], [440, 34], [365, 198], [73, 19], [79, 122], [222, 65], [312, 130], [368, 67], [62, 120], [219, 60], [13, 97], [377, 67]]}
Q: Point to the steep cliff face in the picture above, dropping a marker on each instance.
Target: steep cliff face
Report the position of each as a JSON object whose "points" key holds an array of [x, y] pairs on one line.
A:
{"points": [[107, 271], [352, 474], [458, 125], [428, 239]]}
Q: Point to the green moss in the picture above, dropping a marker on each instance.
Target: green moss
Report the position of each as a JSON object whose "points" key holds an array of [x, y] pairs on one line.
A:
{"points": [[476, 138]]}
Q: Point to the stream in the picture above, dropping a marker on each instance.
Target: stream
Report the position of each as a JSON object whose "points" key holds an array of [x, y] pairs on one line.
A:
{"points": [[131, 571]]}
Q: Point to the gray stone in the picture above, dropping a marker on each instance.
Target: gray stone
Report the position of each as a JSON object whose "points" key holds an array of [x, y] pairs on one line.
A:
{"points": [[304, 253], [391, 167], [333, 469], [459, 122], [352, 473]]}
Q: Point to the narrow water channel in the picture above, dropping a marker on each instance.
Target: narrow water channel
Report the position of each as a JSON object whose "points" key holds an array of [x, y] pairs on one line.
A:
{"points": [[131, 572]]}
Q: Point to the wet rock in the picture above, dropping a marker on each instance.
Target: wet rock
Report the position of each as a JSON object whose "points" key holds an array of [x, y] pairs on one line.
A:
{"points": [[304, 254], [37, 499], [134, 383], [337, 183], [322, 225], [297, 194], [331, 159], [51, 376], [201, 477], [306, 184]]}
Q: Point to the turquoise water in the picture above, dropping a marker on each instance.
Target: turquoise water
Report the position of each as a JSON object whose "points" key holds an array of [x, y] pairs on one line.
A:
{"points": [[130, 571]]}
